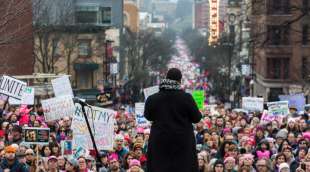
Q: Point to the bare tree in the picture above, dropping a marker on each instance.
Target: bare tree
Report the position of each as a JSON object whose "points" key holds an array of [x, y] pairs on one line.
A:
{"points": [[51, 19]]}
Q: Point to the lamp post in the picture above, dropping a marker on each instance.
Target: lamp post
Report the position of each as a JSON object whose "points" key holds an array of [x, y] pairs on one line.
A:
{"points": [[231, 42]]}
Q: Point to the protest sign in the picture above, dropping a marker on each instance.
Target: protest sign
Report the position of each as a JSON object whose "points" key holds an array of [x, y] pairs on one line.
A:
{"points": [[253, 103], [62, 86], [267, 118], [58, 107], [79, 151], [66, 147], [278, 108], [199, 97], [12, 87], [150, 91], [28, 96], [139, 111], [34, 135], [102, 123], [297, 100]]}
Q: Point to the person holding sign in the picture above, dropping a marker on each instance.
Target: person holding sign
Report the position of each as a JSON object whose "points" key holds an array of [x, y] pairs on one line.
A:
{"points": [[171, 144]]}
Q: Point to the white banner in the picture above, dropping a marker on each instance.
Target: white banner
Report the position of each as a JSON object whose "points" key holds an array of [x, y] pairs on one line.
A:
{"points": [[253, 103], [150, 91], [102, 124], [12, 87], [58, 107], [62, 86], [278, 108], [28, 96]]}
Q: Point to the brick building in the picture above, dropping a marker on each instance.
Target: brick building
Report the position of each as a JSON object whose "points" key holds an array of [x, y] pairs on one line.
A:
{"points": [[281, 49], [16, 45]]}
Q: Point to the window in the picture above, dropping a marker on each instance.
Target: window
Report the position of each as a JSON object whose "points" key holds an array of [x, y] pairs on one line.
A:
{"points": [[305, 32], [56, 48], [84, 79], [278, 6], [305, 68], [84, 48], [278, 35], [106, 13], [278, 68], [274, 94], [93, 15]]}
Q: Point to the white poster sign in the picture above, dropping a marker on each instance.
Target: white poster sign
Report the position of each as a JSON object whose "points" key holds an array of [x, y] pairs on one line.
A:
{"points": [[58, 107], [253, 103], [102, 124], [150, 91], [12, 87], [139, 108], [62, 86], [28, 96], [278, 108]]}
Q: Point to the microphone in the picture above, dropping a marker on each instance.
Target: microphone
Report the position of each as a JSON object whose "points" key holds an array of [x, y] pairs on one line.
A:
{"points": [[80, 101]]}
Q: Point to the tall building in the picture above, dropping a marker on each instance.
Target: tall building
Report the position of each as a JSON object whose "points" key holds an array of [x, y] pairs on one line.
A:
{"points": [[281, 53], [201, 14]]}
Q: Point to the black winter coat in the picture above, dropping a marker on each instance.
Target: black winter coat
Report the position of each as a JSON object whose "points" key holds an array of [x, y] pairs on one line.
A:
{"points": [[172, 146]]}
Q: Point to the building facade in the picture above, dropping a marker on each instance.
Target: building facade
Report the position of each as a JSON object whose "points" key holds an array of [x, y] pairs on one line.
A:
{"points": [[79, 46], [281, 52]]}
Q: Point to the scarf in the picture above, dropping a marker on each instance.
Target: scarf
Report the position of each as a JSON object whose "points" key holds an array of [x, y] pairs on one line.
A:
{"points": [[168, 84]]}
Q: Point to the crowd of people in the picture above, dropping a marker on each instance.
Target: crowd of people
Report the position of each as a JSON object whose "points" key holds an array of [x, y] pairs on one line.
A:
{"points": [[226, 141]]}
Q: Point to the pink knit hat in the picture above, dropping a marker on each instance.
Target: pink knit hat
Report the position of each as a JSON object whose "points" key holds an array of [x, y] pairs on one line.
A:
{"points": [[134, 162]]}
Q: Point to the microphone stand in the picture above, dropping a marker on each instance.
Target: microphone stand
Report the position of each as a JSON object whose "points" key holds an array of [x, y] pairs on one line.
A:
{"points": [[83, 104]]}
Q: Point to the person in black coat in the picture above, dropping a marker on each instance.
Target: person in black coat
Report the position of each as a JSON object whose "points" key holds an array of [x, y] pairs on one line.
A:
{"points": [[172, 144]]}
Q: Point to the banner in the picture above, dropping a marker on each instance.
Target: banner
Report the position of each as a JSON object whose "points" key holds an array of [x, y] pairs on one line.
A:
{"points": [[58, 107], [278, 108], [150, 91], [12, 87], [66, 147], [199, 97], [139, 111], [28, 96], [62, 86], [267, 118], [102, 124], [253, 104], [34, 135], [297, 100]]}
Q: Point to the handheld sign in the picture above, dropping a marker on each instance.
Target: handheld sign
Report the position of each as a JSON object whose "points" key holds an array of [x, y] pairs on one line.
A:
{"points": [[66, 147], [278, 108], [12, 87], [58, 107], [199, 97], [102, 121], [62, 86], [150, 91], [297, 100], [253, 103], [139, 111], [28, 96], [33, 135]]}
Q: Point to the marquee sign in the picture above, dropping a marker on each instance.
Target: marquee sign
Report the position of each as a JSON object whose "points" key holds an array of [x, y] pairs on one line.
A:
{"points": [[214, 21]]}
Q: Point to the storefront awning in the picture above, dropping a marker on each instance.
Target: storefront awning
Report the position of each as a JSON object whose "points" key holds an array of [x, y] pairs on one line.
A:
{"points": [[86, 66]]}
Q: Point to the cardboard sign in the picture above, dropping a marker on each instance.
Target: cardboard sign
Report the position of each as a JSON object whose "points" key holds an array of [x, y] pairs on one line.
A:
{"points": [[28, 96], [253, 104], [62, 86], [66, 147], [34, 135], [199, 97], [58, 107], [297, 100], [12, 87], [150, 91], [102, 123], [278, 108]]}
